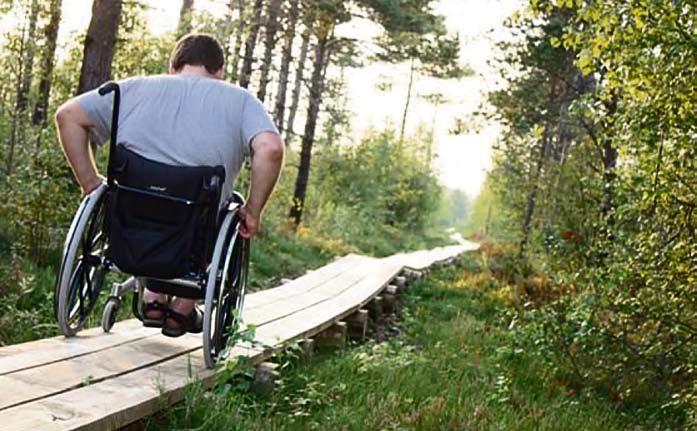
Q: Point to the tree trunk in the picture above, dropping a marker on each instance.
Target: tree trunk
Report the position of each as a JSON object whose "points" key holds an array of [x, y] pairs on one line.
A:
{"points": [[250, 44], [48, 62], [279, 109], [609, 158], [316, 89], [273, 13], [412, 68], [297, 86], [27, 71], [100, 43], [532, 194], [235, 53], [184, 26]]}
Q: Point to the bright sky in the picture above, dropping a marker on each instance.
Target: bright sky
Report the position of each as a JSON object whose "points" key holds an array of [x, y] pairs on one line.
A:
{"points": [[462, 160]]}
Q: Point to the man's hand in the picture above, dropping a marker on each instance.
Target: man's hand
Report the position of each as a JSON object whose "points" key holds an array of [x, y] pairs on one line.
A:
{"points": [[267, 160], [92, 184], [249, 222]]}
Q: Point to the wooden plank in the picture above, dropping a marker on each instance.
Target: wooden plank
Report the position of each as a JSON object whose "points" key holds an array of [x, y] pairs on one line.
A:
{"points": [[305, 283], [48, 350], [127, 388], [36, 353], [140, 353], [116, 402], [50, 379], [277, 310], [320, 316]]}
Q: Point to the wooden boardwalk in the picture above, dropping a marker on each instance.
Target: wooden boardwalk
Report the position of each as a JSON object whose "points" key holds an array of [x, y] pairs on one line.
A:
{"points": [[98, 381]]}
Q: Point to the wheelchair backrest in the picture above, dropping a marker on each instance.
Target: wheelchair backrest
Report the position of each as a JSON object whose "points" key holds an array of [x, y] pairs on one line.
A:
{"points": [[161, 220]]}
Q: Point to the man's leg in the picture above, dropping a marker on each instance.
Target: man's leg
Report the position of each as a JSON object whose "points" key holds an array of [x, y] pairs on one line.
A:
{"points": [[150, 297]]}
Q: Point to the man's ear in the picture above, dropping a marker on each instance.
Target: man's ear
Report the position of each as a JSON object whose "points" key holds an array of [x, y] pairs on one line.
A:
{"points": [[220, 74], [171, 70]]}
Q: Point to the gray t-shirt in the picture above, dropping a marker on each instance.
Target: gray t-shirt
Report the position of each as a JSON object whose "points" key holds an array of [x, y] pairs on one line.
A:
{"points": [[182, 121]]}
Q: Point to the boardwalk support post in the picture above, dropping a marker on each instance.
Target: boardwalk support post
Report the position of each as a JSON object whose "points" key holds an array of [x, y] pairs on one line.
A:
{"points": [[401, 283], [334, 336], [357, 325], [389, 300], [307, 349], [375, 308], [265, 378]]}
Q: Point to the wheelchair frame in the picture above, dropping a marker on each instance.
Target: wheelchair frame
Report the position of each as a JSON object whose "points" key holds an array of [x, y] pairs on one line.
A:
{"points": [[84, 266]]}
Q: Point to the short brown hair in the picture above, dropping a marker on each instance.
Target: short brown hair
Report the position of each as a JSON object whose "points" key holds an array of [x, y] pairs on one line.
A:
{"points": [[197, 50]]}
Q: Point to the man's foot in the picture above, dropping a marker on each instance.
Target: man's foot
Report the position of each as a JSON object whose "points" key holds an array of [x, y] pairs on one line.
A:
{"points": [[177, 324], [154, 309]]}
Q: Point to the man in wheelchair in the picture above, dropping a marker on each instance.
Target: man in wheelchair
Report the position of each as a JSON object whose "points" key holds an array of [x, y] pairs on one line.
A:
{"points": [[182, 138]]}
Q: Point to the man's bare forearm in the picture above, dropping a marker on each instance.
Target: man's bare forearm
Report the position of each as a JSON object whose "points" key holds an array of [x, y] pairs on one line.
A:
{"points": [[267, 162], [73, 135]]}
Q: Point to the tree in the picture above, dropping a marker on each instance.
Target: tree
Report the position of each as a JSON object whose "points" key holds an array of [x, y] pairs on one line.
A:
{"points": [[185, 13], [299, 76], [27, 71], [325, 30], [396, 19], [250, 44], [419, 37], [287, 55], [233, 52], [272, 25], [100, 43], [47, 63]]}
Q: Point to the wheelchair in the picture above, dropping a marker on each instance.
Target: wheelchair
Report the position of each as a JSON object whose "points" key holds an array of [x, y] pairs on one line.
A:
{"points": [[161, 227]]}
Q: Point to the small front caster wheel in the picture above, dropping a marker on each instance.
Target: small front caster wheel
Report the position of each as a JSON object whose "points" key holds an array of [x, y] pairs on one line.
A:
{"points": [[111, 309]]}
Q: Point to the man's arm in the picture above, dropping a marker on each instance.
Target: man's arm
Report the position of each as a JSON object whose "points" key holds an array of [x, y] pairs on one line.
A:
{"points": [[73, 125], [267, 161]]}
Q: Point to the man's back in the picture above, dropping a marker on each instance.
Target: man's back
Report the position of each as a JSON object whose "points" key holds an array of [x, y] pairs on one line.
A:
{"points": [[183, 120]]}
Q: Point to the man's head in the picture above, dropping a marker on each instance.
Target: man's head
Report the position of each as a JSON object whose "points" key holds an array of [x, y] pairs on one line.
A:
{"points": [[199, 50]]}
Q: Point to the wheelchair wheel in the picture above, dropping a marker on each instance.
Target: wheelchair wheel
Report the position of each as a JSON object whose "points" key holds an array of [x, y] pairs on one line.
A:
{"points": [[82, 271], [227, 281], [111, 309]]}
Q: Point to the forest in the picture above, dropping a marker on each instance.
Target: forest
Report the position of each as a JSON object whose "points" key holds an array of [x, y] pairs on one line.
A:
{"points": [[376, 196], [587, 218]]}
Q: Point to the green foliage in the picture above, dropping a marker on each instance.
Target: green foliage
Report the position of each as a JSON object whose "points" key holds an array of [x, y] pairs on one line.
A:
{"points": [[601, 139], [452, 367]]}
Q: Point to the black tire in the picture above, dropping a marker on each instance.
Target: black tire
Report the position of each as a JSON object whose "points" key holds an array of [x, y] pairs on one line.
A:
{"points": [[82, 271], [224, 304]]}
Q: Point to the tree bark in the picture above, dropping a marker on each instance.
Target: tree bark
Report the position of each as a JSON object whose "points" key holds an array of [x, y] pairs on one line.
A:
{"points": [[235, 54], [609, 158], [184, 26], [412, 69], [532, 194], [100, 43], [250, 44], [279, 109], [272, 25], [297, 86], [27, 71], [316, 89], [48, 62]]}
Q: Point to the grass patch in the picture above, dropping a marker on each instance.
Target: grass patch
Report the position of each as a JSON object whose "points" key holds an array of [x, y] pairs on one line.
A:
{"points": [[451, 368]]}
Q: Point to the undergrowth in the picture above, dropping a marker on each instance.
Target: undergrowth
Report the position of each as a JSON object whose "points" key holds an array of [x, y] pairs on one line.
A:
{"points": [[453, 366]]}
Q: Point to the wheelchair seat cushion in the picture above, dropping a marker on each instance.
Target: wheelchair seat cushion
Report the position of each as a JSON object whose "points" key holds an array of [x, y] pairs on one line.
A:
{"points": [[160, 218]]}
